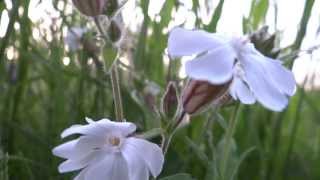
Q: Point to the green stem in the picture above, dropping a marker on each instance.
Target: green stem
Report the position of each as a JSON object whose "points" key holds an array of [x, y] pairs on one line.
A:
{"points": [[228, 140], [114, 76], [166, 140], [167, 136]]}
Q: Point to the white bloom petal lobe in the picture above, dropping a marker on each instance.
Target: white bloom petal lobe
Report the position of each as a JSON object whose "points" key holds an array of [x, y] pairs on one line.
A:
{"points": [[183, 42], [215, 66], [242, 92], [262, 86], [101, 152], [218, 59], [150, 153]]}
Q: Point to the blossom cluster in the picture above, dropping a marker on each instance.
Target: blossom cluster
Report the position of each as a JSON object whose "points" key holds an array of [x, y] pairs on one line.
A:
{"points": [[222, 68]]}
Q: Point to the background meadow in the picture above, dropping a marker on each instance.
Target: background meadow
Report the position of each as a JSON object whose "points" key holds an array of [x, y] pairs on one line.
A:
{"points": [[45, 87]]}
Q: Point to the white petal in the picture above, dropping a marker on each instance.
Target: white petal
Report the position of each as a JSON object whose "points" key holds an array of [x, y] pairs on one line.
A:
{"points": [[111, 167], [65, 150], [81, 175], [242, 92], [183, 42], [100, 128], [87, 144], [261, 84], [149, 152], [138, 170], [125, 128], [77, 149], [72, 165], [79, 163], [282, 77], [90, 129], [215, 67]]}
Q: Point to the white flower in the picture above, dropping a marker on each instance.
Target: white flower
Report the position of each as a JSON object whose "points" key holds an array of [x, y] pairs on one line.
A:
{"points": [[106, 151], [220, 59], [74, 36]]}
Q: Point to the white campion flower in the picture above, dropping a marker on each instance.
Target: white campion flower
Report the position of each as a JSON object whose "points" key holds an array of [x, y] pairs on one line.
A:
{"points": [[74, 36], [105, 150], [220, 59]]}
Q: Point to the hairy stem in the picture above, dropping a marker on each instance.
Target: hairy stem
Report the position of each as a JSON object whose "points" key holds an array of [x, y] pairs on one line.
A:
{"points": [[228, 140], [114, 76], [166, 139], [116, 91]]}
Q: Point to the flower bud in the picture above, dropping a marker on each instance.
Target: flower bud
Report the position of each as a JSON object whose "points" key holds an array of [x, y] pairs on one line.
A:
{"points": [[169, 103], [198, 94], [114, 31], [265, 42], [90, 8]]}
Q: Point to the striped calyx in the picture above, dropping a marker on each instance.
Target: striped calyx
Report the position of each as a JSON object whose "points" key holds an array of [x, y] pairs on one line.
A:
{"points": [[197, 95], [90, 8]]}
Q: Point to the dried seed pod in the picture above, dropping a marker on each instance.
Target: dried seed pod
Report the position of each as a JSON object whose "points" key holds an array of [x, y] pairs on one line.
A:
{"points": [[198, 94], [90, 8]]}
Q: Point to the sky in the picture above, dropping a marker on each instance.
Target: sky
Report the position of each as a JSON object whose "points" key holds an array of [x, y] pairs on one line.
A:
{"points": [[289, 15]]}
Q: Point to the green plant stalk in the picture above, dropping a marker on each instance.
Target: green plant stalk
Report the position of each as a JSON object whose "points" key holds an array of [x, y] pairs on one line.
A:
{"points": [[228, 140], [169, 132], [114, 76], [293, 133], [303, 26]]}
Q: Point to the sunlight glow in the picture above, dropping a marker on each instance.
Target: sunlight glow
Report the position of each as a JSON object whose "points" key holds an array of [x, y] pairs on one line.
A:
{"points": [[4, 22], [66, 61]]}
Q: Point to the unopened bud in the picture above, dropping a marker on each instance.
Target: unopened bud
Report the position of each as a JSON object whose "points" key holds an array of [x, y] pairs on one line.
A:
{"points": [[90, 8], [114, 31], [197, 95], [169, 103], [265, 42]]}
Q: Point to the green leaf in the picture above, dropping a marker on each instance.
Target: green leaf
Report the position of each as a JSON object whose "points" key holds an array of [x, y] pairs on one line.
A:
{"points": [[303, 23], [259, 9], [165, 12], [2, 6], [181, 176], [243, 156], [212, 26], [197, 150]]}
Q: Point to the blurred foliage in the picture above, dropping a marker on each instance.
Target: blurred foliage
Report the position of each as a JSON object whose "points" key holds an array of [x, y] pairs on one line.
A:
{"points": [[40, 96]]}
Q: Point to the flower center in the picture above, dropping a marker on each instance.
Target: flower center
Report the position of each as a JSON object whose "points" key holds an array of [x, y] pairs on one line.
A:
{"points": [[114, 141]]}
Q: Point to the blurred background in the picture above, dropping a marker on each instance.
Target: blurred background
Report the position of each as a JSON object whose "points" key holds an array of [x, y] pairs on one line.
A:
{"points": [[45, 86]]}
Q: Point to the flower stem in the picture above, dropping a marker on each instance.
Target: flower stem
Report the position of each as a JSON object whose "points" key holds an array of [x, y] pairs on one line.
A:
{"points": [[116, 91], [228, 140], [167, 136], [114, 76], [166, 140]]}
